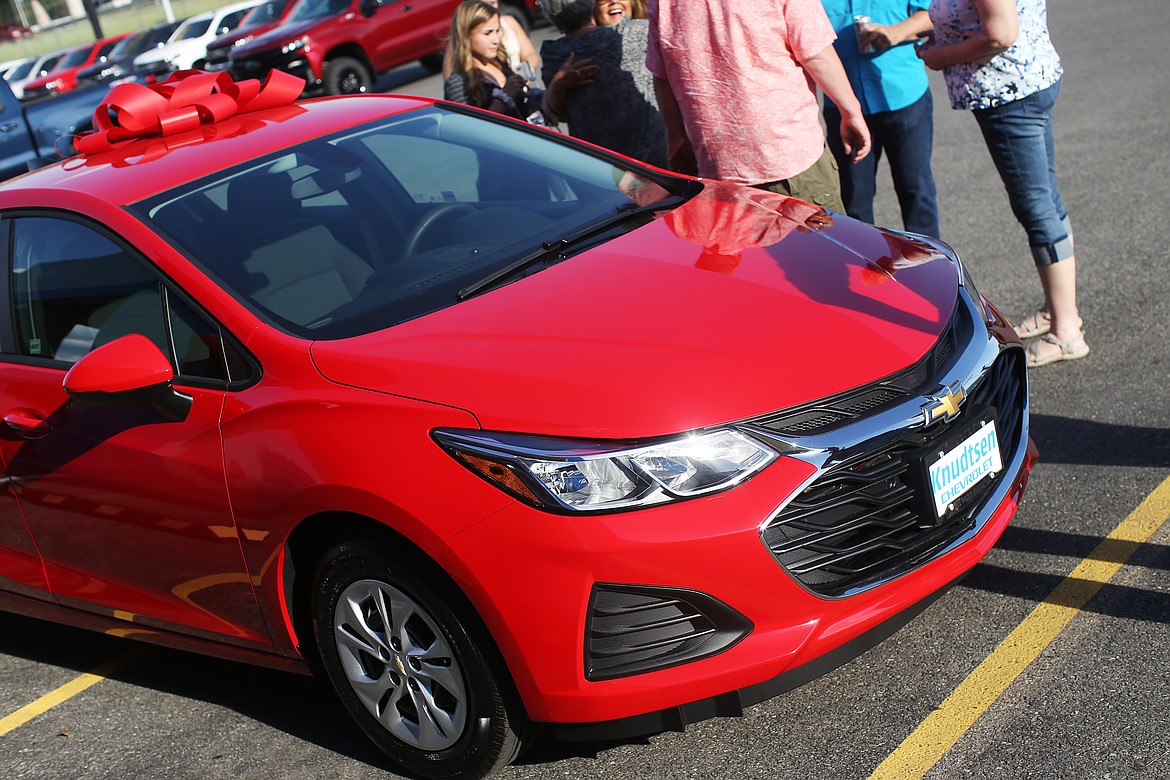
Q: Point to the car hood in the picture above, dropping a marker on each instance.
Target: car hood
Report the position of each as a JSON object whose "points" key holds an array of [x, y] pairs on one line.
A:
{"points": [[279, 36], [736, 304], [228, 40], [186, 48]]}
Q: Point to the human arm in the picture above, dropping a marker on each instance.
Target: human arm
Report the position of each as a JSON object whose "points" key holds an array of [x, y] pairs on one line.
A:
{"points": [[828, 73], [527, 49], [572, 74], [455, 88], [881, 36], [999, 29], [680, 154]]}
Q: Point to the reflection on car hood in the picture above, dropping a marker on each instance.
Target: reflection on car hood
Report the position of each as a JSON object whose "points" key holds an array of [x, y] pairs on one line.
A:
{"points": [[736, 304]]}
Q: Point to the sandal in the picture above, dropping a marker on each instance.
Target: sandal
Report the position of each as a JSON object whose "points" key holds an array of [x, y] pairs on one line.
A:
{"points": [[1073, 349], [1038, 324]]}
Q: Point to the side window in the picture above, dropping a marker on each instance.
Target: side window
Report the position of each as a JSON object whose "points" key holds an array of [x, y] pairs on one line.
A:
{"points": [[232, 21], [74, 290]]}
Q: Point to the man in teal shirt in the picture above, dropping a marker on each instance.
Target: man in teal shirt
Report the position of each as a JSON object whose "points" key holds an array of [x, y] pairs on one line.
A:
{"points": [[891, 84]]}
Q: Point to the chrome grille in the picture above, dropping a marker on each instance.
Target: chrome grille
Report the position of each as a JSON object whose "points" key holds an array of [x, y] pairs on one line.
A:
{"points": [[860, 522]]}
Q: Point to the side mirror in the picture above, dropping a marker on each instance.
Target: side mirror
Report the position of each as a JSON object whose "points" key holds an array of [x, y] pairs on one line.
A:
{"points": [[127, 370], [368, 7]]}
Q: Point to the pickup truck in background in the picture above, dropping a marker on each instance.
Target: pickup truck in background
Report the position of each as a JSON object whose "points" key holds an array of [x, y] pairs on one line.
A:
{"points": [[31, 133], [341, 47]]}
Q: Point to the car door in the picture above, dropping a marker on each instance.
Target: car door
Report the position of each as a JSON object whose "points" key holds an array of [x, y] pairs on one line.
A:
{"points": [[408, 29], [127, 504], [16, 147]]}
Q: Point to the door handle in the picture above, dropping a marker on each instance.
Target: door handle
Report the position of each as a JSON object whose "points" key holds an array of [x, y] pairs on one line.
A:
{"points": [[8, 127], [27, 423]]}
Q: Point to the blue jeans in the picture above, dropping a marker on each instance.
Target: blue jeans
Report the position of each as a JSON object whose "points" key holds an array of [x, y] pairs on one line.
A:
{"points": [[1019, 137], [906, 135]]}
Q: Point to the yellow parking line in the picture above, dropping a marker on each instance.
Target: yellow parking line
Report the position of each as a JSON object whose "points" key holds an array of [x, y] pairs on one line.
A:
{"points": [[67, 691], [967, 703]]}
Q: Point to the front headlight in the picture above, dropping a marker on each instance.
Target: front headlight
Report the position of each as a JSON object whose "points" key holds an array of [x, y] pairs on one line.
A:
{"points": [[296, 45], [561, 475]]}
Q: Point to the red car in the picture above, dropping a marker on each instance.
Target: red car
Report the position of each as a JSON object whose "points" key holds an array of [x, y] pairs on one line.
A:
{"points": [[11, 31], [264, 17], [64, 76], [341, 47], [492, 427]]}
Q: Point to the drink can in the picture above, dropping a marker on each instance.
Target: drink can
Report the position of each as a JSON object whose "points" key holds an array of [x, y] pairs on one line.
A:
{"points": [[861, 23]]}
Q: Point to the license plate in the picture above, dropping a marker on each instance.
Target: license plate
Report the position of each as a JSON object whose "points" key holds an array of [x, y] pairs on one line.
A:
{"points": [[961, 467]]}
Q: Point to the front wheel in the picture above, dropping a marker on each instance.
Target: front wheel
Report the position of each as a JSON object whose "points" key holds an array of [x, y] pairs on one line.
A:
{"points": [[402, 660], [346, 76]]}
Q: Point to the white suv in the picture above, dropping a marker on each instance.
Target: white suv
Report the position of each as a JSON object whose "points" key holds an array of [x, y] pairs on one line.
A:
{"points": [[188, 46]]}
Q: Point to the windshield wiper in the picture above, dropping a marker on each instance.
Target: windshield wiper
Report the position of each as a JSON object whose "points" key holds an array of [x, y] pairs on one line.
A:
{"points": [[554, 248]]}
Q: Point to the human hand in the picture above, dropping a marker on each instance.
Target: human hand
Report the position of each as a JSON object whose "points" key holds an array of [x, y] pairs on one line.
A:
{"points": [[515, 87], [855, 137], [878, 37], [576, 72], [930, 54]]}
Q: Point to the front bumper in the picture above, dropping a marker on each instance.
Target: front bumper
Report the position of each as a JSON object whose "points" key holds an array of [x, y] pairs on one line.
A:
{"points": [[297, 63], [531, 574]]}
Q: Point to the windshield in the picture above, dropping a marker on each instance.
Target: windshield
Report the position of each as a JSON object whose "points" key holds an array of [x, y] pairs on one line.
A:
{"points": [[193, 29], [265, 12], [315, 9], [49, 63], [74, 58], [394, 219], [131, 44], [20, 71]]}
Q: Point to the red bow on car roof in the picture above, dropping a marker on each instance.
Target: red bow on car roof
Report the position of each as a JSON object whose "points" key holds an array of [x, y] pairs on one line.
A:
{"points": [[185, 101]]}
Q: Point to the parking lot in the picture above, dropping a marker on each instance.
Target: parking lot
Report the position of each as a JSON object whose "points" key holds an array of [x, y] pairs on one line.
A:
{"points": [[1048, 661]]}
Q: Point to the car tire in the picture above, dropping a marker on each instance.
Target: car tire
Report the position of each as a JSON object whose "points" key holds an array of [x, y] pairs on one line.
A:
{"points": [[432, 62], [346, 76], [403, 654]]}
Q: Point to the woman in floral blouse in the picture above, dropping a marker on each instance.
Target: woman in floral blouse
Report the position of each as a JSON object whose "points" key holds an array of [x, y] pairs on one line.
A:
{"points": [[1000, 64]]}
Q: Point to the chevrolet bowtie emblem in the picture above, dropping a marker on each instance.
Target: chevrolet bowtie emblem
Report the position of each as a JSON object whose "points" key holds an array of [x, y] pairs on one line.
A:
{"points": [[945, 405]]}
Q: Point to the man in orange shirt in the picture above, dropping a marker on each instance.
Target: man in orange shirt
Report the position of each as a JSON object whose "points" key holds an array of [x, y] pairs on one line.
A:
{"points": [[736, 82]]}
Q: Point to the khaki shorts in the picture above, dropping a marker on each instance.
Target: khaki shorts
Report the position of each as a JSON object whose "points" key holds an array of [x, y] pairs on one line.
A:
{"points": [[820, 184]]}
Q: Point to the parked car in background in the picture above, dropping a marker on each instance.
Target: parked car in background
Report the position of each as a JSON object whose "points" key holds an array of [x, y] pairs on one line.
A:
{"points": [[11, 31], [11, 65], [120, 61], [503, 433], [188, 46], [264, 17], [20, 68], [40, 67], [340, 47], [42, 131], [63, 77]]}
